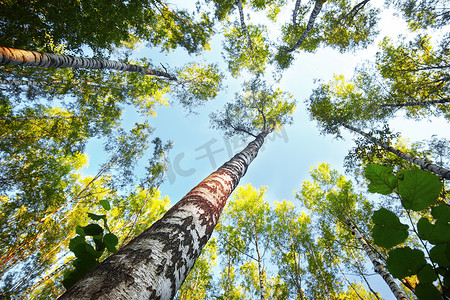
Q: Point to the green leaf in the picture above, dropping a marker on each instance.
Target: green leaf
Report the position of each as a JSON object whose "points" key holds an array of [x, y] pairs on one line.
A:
{"points": [[382, 180], [440, 254], [96, 217], [427, 291], [404, 262], [93, 229], [425, 228], [76, 241], [72, 277], [419, 189], [110, 241], [105, 204], [388, 231], [436, 234], [441, 212], [427, 274]]}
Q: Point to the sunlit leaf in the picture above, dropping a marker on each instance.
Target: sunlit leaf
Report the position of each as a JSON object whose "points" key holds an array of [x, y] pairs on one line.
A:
{"points": [[382, 180], [419, 189]]}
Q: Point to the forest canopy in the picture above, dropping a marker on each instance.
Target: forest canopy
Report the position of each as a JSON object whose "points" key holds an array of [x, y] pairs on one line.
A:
{"points": [[324, 128]]}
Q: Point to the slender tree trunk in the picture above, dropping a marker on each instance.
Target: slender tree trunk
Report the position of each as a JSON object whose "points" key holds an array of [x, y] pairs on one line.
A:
{"points": [[417, 103], [355, 10], [155, 263], [377, 265], [295, 12], [260, 271], [243, 26], [445, 173], [10, 56], [312, 19]]}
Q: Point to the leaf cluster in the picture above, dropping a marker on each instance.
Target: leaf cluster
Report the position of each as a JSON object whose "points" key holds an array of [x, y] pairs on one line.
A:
{"points": [[418, 191], [87, 254]]}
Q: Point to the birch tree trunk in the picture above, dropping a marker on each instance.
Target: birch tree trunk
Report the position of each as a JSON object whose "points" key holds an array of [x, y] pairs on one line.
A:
{"points": [[155, 263], [376, 263], [243, 26], [417, 103], [10, 56], [445, 173], [312, 19]]}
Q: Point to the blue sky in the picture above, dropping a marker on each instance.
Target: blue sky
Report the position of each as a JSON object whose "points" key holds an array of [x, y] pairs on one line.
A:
{"points": [[287, 156]]}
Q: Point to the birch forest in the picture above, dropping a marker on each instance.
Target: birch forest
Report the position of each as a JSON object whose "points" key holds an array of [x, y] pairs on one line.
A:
{"points": [[225, 149]]}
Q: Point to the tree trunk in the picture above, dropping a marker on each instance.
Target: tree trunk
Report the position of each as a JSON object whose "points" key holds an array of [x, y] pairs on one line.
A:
{"points": [[10, 56], [377, 265], [417, 103], [312, 18], [445, 173], [295, 12], [155, 263], [243, 26]]}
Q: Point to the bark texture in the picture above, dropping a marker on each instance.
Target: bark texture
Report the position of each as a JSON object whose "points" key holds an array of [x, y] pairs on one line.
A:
{"points": [[155, 263], [445, 173], [379, 268], [10, 56], [312, 19]]}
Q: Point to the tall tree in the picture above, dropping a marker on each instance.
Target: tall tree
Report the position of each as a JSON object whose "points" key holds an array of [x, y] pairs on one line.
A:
{"points": [[331, 116], [244, 237], [158, 260]]}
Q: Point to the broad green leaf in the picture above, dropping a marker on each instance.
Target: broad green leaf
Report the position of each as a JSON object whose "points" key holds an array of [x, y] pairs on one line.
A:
{"points": [[425, 228], [382, 180], [96, 217], [427, 274], [427, 291], [436, 234], [388, 231], [404, 262], [419, 189], [76, 241], [441, 212], [93, 229], [105, 204], [110, 241], [440, 254]]}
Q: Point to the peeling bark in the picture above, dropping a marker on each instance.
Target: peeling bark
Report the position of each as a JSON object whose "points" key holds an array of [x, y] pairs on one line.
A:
{"points": [[10, 56], [445, 173], [379, 268], [156, 263]]}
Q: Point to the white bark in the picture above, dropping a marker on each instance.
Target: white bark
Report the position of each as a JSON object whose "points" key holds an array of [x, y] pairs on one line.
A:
{"points": [[379, 268], [156, 263], [10, 56], [445, 173]]}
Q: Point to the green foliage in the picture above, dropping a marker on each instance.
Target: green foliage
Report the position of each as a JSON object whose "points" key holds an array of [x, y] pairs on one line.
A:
{"points": [[88, 253], [45, 25], [423, 13], [259, 109], [418, 191]]}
